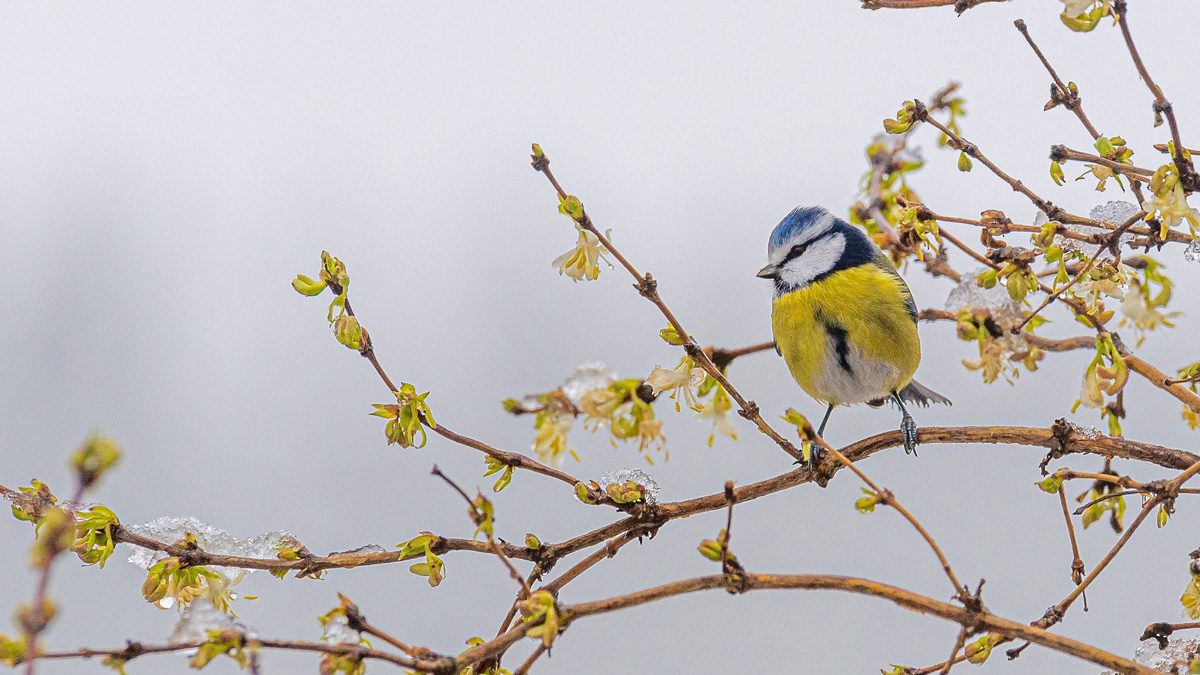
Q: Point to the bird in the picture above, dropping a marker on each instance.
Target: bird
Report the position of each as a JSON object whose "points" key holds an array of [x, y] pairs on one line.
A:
{"points": [[843, 318]]}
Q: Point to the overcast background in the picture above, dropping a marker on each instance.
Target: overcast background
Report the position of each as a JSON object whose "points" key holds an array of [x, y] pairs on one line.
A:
{"points": [[169, 167]]}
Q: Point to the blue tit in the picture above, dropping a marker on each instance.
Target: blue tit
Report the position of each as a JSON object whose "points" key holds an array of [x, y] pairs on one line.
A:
{"points": [[843, 318]]}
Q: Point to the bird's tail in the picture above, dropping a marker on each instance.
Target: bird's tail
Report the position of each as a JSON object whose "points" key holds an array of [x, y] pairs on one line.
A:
{"points": [[918, 393]]}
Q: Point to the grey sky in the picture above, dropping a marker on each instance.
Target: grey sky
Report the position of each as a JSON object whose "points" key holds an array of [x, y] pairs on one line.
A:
{"points": [[168, 167]]}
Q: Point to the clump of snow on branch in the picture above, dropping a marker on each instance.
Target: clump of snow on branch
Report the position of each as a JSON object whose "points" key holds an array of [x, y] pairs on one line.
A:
{"points": [[968, 294], [169, 530], [587, 377], [636, 475], [338, 631], [200, 617]]}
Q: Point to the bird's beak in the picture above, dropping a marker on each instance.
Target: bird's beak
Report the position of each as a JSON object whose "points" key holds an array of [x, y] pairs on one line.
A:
{"points": [[768, 272]]}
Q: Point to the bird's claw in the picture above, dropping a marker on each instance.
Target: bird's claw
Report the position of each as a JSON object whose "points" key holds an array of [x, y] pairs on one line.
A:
{"points": [[908, 428], [814, 458]]}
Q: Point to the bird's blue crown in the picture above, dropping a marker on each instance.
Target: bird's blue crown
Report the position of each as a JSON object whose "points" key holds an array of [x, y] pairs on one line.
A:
{"points": [[810, 244], [800, 219]]}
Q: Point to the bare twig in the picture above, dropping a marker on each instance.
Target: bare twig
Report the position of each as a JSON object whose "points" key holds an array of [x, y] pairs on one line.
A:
{"points": [[39, 614], [1077, 569], [906, 599], [648, 288], [508, 458], [960, 6], [524, 667], [1066, 154], [478, 516], [959, 641], [1187, 171], [135, 650]]}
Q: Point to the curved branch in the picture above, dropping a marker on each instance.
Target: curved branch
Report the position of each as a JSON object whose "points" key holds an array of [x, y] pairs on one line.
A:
{"points": [[1060, 439], [1160, 379], [316, 563], [136, 649], [960, 6], [907, 599]]}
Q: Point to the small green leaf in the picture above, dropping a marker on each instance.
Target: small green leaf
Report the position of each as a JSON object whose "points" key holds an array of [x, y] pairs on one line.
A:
{"points": [[308, 286], [978, 651], [1052, 483], [1056, 173]]}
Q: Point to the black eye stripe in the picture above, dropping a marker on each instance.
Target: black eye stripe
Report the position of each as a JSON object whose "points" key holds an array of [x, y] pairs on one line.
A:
{"points": [[799, 249]]}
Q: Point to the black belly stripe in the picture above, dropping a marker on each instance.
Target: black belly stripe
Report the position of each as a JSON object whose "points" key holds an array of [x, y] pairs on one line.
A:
{"points": [[840, 345]]}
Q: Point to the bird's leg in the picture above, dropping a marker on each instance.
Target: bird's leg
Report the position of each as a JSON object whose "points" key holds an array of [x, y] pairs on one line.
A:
{"points": [[824, 421], [814, 454], [908, 427]]}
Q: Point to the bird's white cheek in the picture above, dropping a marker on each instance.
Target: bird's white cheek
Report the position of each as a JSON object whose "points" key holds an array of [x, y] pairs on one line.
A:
{"points": [[821, 256]]}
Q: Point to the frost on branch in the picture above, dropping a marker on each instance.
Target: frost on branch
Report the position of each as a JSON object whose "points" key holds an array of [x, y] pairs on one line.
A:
{"points": [[986, 316], [1174, 659], [968, 294], [585, 378], [210, 539], [623, 476], [338, 631], [200, 617], [1192, 254], [1112, 212]]}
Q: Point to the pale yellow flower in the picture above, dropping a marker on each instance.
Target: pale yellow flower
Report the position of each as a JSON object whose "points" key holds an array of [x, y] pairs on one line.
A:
{"points": [[583, 261], [550, 443], [1191, 599], [1169, 202], [990, 362], [1076, 7], [1191, 417], [650, 434], [685, 376], [598, 407], [717, 410], [1092, 395], [1141, 313]]}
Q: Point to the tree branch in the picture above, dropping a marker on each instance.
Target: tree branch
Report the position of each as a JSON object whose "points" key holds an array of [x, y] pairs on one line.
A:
{"points": [[904, 598]]}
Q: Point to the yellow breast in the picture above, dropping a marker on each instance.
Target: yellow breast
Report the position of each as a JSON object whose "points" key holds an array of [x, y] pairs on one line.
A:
{"points": [[850, 337]]}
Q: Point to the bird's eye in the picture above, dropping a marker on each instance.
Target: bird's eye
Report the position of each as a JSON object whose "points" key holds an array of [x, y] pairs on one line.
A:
{"points": [[797, 250]]}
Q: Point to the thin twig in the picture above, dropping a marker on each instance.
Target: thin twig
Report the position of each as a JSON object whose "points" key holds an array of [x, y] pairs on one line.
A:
{"points": [[959, 641], [1069, 99], [478, 517], [1187, 172], [1132, 172], [1106, 497], [508, 458], [38, 617], [648, 288], [1077, 569], [959, 143], [135, 649], [960, 6], [537, 653], [1055, 614]]}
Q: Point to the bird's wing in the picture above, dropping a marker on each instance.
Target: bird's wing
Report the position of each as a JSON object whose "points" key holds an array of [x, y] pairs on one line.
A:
{"points": [[885, 263]]}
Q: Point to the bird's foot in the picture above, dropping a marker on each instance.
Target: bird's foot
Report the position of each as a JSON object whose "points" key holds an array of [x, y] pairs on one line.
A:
{"points": [[908, 428], [814, 457], [813, 464], [813, 461]]}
